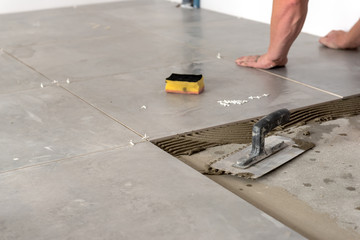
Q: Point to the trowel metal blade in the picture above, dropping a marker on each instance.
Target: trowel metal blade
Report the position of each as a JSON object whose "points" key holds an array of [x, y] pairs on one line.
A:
{"points": [[268, 164]]}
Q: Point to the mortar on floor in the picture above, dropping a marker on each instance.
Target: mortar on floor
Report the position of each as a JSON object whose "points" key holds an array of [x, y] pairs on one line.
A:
{"points": [[316, 189]]}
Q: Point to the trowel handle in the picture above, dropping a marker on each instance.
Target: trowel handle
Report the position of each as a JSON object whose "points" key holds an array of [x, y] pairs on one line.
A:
{"points": [[264, 126], [274, 119]]}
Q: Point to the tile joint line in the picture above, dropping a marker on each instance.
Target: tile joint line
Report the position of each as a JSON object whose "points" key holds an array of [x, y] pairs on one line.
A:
{"points": [[106, 114], [22, 62], [304, 84], [32, 68]]}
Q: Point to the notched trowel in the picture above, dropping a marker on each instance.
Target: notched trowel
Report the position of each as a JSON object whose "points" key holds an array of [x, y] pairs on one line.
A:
{"points": [[264, 155]]}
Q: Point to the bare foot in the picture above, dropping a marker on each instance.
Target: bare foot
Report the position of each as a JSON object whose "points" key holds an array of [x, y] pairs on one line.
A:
{"points": [[260, 61], [336, 40]]}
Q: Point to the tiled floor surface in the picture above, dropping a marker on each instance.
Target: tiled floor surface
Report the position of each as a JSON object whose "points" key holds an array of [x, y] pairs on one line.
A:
{"points": [[80, 85]]}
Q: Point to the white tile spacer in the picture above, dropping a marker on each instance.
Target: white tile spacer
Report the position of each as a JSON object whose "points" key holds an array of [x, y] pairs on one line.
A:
{"points": [[227, 103], [143, 107], [131, 143]]}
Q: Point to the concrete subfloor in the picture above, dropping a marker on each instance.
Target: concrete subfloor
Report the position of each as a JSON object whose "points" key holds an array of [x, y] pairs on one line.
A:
{"points": [[82, 92], [318, 188]]}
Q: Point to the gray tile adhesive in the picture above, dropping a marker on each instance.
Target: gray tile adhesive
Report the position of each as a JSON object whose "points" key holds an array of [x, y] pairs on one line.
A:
{"points": [[240, 132]]}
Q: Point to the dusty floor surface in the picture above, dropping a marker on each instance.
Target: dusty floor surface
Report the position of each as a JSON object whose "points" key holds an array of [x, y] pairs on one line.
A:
{"points": [[317, 193]]}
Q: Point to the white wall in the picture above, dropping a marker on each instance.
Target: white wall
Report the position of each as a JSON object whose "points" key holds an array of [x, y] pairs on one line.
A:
{"points": [[10, 6], [326, 15], [323, 15]]}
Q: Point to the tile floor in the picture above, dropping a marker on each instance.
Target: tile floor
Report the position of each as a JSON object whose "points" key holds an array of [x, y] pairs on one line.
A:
{"points": [[79, 84]]}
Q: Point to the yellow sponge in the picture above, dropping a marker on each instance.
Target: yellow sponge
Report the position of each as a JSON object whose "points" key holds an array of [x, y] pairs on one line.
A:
{"points": [[184, 83]]}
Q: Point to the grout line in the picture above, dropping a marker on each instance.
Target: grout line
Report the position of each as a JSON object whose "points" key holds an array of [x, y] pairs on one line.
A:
{"points": [[17, 59], [106, 114], [304, 84], [101, 111], [294, 81]]}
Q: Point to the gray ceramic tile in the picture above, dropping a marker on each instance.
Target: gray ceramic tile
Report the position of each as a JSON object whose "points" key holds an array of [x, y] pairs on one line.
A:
{"points": [[15, 76], [26, 30], [123, 96], [231, 37], [101, 7], [160, 14], [331, 70], [89, 58], [135, 192], [194, 27], [50, 124]]}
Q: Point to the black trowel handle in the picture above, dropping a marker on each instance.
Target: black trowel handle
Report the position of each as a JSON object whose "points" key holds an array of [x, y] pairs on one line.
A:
{"points": [[273, 120], [264, 126]]}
